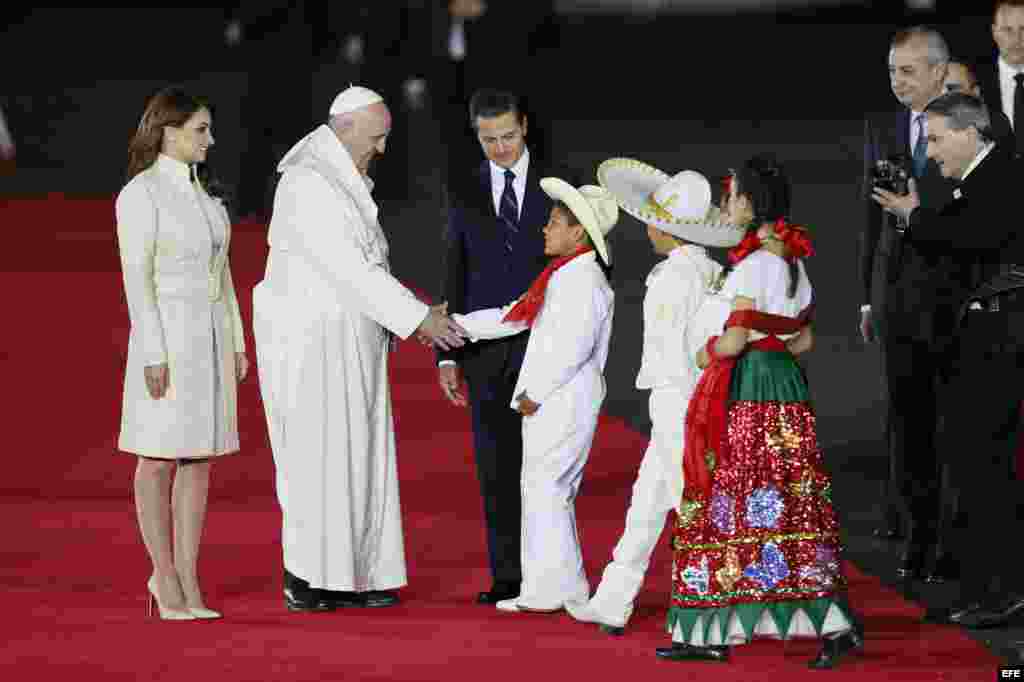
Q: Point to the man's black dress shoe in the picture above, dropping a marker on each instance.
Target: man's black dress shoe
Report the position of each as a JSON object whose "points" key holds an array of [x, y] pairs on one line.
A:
{"points": [[688, 652], [946, 568], [912, 562], [951, 615], [498, 593], [1010, 611], [887, 532], [834, 648], [613, 630]]}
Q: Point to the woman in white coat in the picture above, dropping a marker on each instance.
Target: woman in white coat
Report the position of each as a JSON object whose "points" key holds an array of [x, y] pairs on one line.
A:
{"points": [[186, 351]]}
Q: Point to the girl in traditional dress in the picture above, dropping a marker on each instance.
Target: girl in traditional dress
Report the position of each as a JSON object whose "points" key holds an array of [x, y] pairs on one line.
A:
{"points": [[757, 549], [186, 350]]}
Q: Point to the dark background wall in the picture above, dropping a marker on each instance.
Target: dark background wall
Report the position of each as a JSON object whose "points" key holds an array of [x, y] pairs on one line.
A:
{"points": [[680, 91]]}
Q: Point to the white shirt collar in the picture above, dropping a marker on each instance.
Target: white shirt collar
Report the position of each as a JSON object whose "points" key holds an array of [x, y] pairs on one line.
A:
{"points": [[681, 250], [179, 170], [1008, 71], [978, 159], [519, 168]]}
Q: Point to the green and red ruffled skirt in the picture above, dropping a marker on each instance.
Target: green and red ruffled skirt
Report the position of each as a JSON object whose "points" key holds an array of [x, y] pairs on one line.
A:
{"points": [[757, 552]]}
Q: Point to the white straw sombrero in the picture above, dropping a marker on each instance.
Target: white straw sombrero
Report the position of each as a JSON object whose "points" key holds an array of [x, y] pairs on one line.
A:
{"points": [[679, 205], [593, 206]]}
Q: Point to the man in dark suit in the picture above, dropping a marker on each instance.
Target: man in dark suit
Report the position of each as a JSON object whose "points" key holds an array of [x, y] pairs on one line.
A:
{"points": [[906, 298], [495, 249], [1002, 81], [962, 76], [981, 402], [476, 44]]}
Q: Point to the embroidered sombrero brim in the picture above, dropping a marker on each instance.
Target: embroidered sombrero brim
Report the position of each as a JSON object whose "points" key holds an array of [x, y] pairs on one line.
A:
{"points": [[633, 184]]}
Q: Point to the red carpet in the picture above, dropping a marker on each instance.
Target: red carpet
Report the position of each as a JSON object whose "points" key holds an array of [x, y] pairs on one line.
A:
{"points": [[73, 567]]}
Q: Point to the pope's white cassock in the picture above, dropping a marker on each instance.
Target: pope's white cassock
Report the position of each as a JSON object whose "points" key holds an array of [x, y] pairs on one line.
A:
{"points": [[563, 371], [321, 317]]}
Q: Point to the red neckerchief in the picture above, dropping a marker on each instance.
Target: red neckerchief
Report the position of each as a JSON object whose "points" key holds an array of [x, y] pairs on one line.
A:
{"points": [[706, 414], [527, 308], [798, 244]]}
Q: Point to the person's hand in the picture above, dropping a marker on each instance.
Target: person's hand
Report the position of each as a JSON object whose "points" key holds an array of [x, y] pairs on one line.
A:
{"points": [[157, 377], [441, 330], [241, 366], [703, 359], [867, 331], [7, 150], [901, 205], [443, 310], [527, 407], [450, 378]]}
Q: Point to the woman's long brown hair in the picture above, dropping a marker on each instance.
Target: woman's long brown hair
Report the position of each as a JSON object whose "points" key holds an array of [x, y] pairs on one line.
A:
{"points": [[172, 106]]}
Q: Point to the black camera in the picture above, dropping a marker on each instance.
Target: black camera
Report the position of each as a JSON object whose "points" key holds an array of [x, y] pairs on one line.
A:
{"points": [[891, 175]]}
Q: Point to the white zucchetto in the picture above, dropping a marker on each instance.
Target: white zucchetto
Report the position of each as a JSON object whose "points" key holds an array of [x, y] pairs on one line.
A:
{"points": [[352, 98]]}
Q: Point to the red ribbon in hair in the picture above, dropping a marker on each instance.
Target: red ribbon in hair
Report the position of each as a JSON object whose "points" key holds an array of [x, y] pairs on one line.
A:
{"points": [[798, 244], [706, 415], [527, 308]]}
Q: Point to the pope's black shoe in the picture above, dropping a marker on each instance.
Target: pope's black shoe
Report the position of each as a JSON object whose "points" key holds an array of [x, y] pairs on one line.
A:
{"points": [[375, 599], [500, 592], [299, 596], [834, 648], [1009, 611], [688, 652]]}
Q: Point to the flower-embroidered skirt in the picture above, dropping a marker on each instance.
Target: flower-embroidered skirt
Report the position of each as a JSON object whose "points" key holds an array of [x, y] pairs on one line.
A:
{"points": [[761, 557]]}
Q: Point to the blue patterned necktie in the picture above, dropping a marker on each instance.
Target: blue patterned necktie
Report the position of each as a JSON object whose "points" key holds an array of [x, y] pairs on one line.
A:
{"points": [[920, 148], [509, 208]]}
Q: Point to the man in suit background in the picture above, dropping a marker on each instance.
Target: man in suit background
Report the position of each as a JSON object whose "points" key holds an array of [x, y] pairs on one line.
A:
{"points": [[1002, 81], [982, 399], [476, 44], [906, 298], [962, 76], [495, 249]]}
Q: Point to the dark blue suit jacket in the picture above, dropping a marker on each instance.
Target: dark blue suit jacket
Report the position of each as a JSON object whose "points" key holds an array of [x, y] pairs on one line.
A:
{"points": [[481, 272]]}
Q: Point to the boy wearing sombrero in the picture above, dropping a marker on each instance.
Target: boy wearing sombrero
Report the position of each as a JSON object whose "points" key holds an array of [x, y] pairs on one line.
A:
{"points": [[560, 389], [680, 222]]}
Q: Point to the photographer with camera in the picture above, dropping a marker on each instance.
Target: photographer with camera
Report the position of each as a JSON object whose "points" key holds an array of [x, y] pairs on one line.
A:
{"points": [[981, 401], [906, 298]]}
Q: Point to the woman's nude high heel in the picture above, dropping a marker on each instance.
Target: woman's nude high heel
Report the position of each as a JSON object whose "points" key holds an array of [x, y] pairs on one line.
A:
{"points": [[203, 613], [165, 614]]}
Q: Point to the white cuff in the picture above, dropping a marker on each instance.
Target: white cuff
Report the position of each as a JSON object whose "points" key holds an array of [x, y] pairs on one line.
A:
{"points": [[866, 308], [446, 362]]}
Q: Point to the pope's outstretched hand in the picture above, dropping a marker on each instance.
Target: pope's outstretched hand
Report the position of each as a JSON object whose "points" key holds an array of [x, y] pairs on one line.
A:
{"points": [[441, 330]]}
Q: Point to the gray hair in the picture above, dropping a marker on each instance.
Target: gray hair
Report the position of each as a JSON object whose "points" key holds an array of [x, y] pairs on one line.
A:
{"points": [[938, 50], [963, 111]]}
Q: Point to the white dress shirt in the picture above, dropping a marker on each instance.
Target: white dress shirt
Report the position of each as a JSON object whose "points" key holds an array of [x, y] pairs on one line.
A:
{"points": [[457, 41], [1007, 87], [518, 185], [978, 159]]}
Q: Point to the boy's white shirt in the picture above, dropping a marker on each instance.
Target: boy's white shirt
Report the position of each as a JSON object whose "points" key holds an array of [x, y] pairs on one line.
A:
{"points": [[676, 287], [570, 333]]}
